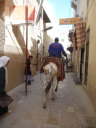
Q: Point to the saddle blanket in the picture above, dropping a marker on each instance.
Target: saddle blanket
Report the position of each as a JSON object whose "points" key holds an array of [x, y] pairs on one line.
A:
{"points": [[58, 62]]}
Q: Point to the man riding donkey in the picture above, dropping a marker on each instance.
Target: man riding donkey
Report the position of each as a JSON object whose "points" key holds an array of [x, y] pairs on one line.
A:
{"points": [[53, 67]]}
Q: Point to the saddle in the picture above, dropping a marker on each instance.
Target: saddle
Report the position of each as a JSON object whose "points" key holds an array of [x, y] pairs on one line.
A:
{"points": [[58, 62]]}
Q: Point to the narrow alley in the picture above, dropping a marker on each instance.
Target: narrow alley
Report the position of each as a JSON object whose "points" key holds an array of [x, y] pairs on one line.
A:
{"points": [[71, 109], [57, 38]]}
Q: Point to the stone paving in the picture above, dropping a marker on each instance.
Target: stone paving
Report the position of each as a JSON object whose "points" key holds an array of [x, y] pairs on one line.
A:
{"points": [[71, 109]]}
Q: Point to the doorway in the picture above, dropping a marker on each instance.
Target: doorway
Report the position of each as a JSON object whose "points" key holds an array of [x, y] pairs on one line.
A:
{"points": [[81, 63], [87, 56]]}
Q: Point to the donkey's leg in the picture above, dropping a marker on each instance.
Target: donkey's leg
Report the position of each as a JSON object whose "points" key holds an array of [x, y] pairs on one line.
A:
{"points": [[46, 90], [53, 87], [45, 93], [44, 102], [56, 86], [44, 97]]}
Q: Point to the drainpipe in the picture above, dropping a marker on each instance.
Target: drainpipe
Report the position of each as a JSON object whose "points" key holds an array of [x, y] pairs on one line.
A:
{"points": [[37, 56], [26, 14]]}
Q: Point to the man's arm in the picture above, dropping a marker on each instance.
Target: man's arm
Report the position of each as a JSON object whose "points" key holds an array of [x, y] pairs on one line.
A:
{"points": [[62, 49], [49, 48], [64, 53]]}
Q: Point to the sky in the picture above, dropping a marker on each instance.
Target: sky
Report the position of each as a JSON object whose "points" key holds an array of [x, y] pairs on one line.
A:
{"points": [[60, 9]]}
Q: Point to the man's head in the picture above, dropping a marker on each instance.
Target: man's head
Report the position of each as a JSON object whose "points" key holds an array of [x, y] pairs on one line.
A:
{"points": [[30, 57], [56, 39]]}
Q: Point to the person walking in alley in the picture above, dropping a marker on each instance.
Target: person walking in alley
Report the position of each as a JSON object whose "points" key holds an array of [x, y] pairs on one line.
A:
{"points": [[4, 62], [29, 73]]}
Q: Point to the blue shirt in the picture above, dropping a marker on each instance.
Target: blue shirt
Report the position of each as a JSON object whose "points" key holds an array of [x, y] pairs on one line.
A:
{"points": [[55, 49]]}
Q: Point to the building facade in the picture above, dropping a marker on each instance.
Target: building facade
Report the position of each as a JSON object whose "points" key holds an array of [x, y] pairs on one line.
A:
{"points": [[86, 11], [13, 39]]}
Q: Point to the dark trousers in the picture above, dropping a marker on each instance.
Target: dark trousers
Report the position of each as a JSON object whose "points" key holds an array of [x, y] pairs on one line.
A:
{"points": [[2, 81]]}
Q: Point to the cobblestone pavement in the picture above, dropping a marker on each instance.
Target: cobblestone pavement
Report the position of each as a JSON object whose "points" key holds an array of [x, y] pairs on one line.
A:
{"points": [[71, 109]]}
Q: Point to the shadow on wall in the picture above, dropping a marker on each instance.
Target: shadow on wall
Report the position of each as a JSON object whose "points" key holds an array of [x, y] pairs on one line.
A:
{"points": [[34, 44], [2, 8], [33, 53], [12, 38], [22, 44], [20, 38]]}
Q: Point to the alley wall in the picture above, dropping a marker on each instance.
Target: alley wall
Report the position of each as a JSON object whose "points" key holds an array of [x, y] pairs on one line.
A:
{"points": [[86, 10], [13, 41], [13, 45], [91, 24], [2, 27]]}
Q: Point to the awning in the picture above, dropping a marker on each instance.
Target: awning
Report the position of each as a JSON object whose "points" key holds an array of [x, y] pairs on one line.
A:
{"points": [[80, 28], [74, 41], [18, 15], [45, 17]]}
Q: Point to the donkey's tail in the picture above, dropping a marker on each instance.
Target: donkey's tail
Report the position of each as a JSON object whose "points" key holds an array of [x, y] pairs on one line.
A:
{"points": [[48, 85]]}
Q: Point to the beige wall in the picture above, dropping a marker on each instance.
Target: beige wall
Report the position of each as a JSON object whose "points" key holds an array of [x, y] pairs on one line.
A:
{"points": [[47, 41], [13, 42], [88, 13], [82, 8], [13, 45], [2, 27], [91, 23], [15, 48]]}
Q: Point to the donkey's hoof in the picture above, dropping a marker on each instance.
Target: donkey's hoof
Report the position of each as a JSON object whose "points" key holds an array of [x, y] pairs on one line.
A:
{"points": [[53, 98], [44, 106]]}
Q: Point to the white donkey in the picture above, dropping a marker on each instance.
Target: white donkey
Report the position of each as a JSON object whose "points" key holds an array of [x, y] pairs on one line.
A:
{"points": [[50, 72]]}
